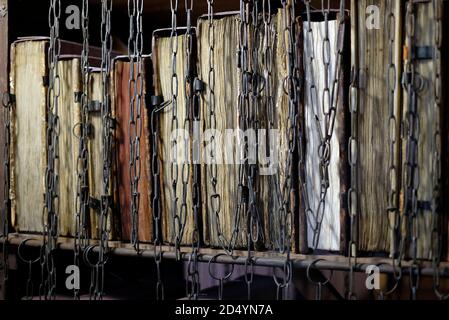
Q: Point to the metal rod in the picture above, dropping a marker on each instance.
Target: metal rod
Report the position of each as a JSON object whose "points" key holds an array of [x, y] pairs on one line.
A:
{"points": [[270, 260]]}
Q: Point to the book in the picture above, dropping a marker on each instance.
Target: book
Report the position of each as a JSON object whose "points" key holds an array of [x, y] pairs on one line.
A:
{"points": [[326, 222], [424, 141], [28, 134], [121, 102], [29, 81], [69, 119], [270, 128], [227, 221], [274, 118], [376, 155], [174, 160], [95, 162]]}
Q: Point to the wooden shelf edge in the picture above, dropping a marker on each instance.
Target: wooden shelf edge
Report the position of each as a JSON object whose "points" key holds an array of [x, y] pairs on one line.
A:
{"points": [[264, 259]]}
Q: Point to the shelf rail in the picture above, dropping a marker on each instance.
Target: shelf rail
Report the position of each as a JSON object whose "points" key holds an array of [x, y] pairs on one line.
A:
{"points": [[263, 259]]}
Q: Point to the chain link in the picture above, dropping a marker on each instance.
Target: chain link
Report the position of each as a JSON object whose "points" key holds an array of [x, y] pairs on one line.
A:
{"points": [[353, 191], [254, 224], [8, 103], [411, 130], [436, 147], [192, 90], [51, 204], [106, 205], [393, 214], [178, 214], [243, 121], [291, 89], [82, 196], [156, 200], [135, 89]]}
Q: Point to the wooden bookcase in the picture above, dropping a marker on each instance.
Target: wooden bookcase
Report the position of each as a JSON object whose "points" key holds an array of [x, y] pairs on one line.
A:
{"points": [[16, 22]]}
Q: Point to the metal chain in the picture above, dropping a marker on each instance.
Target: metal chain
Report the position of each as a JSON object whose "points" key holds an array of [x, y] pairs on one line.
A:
{"points": [[243, 121], [269, 99], [247, 120], [8, 103], [156, 204], [393, 214], [291, 88], [29, 288], [106, 205], [178, 221], [82, 196], [256, 87], [192, 91], [135, 89], [268, 61], [436, 163], [254, 223], [215, 197], [51, 204], [411, 129], [188, 94], [353, 191]]}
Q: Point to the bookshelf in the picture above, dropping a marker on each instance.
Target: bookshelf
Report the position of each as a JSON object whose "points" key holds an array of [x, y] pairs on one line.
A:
{"points": [[15, 23]]}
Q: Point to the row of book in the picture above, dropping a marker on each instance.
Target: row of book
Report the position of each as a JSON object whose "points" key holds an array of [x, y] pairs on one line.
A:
{"points": [[351, 43]]}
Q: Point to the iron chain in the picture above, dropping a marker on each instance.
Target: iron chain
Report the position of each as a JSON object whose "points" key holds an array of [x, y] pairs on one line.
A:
{"points": [[411, 129], [8, 103], [51, 204], [393, 214], [82, 196], [106, 205], [436, 241], [135, 89]]}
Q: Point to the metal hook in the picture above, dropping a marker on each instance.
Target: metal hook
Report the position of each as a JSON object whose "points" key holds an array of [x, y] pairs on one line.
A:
{"points": [[213, 260], [313, 264], [87, 260], [21, 257], [220, 279], [318, 284]]}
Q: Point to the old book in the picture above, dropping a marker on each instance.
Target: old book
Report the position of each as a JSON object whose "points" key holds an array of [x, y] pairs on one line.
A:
{"points": [[274, 118], [29, 71], [227, 221], [174, 161], [423, 160], [272, 145], [28, 134], [121, 102], [376, 156], [69, 118], [95, 163], [326, 226], [29, 76]]}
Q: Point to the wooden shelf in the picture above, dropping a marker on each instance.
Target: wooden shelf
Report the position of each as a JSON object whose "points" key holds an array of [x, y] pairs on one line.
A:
{"points": [[264, 259]]}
